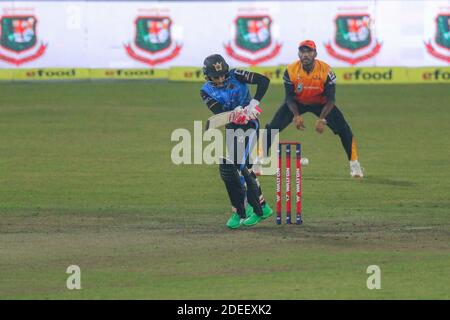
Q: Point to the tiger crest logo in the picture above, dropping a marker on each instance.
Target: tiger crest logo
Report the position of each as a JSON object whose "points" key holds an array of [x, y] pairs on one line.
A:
{"points": [[353, 40], [217, 66], [253, 42], [153, 43], [439, 47], [18, 39]]}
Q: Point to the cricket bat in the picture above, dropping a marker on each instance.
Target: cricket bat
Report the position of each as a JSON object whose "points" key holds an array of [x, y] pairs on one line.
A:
{"points": [[218, 120]]}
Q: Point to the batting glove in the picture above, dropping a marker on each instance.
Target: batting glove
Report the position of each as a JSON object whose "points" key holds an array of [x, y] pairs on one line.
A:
{"points": [[239, 116], [253, 110]]}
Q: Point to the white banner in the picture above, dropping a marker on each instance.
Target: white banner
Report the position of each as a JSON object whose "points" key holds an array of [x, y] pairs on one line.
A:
{"points": [[150, 34]]}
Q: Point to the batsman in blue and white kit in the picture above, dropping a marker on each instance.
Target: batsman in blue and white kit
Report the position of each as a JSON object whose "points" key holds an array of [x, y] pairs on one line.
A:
{"points": [[227, 90]]}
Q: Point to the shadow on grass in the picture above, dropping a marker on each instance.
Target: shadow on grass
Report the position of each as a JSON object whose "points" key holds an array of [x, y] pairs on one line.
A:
{"points": [[369, 180], [389, 182]]}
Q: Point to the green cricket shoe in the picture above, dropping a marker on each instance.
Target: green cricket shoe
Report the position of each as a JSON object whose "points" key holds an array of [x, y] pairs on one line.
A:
{"points": [[252, 220], [234, 222], [267, 211], [248, 210]]}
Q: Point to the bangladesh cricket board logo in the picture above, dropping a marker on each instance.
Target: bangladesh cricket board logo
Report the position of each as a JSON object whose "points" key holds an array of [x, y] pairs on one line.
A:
{"points": [[18, 39], [153, 43], [439, 47], [253, 42], [353, 42]]}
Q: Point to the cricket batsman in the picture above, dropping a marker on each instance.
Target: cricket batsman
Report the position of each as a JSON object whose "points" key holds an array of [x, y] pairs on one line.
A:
{"points": [[310, 86], [227, 90]]}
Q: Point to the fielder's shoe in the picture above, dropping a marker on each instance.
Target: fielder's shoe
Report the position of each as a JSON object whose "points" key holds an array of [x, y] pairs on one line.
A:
{"points": [[355, 169], [235, 221], [267, 211], [252, 220]]}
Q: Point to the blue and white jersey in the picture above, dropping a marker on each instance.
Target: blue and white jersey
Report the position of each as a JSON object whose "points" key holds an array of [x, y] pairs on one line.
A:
{"points": [[234, 93]]}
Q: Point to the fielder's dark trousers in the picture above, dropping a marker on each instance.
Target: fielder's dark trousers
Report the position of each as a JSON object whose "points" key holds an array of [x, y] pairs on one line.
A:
{"points": [[335, 121]]}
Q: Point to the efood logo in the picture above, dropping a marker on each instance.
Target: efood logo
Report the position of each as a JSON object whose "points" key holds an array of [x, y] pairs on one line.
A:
{"points": [[359, 74], [39, 73], [130, 72], [438, 74]]}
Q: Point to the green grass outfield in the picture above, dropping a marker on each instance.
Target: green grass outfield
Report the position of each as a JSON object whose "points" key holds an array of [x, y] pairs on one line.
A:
{"points": [[86, 179]]}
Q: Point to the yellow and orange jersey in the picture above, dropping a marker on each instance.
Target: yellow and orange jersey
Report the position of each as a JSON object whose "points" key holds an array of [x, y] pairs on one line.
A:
{"points": [[310, 88]]}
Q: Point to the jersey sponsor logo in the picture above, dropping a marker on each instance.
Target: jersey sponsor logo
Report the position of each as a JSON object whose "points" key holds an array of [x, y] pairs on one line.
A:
{"points": [[286, 78], [311, 87], [19, 39], [353, 39], [253, 40], [332, 77], [153, 42], [244, 74], [247, 75], [240, 72], [439, 47]]}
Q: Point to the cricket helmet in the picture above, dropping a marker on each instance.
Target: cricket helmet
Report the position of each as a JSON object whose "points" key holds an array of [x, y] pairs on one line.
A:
{"points": [[215, 66]]}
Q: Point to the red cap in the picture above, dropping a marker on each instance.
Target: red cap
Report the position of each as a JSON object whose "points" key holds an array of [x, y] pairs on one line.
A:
{"points": [[307, 43]]}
